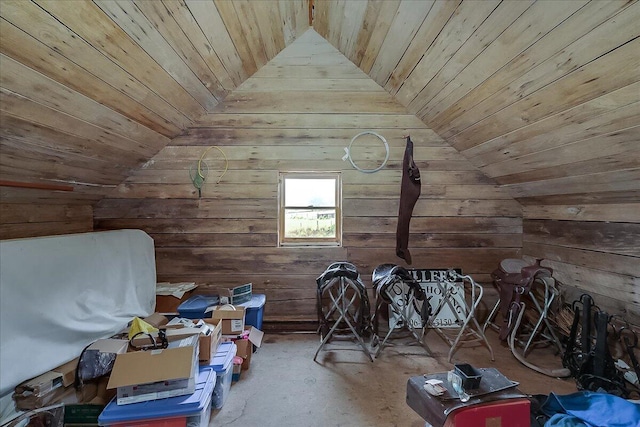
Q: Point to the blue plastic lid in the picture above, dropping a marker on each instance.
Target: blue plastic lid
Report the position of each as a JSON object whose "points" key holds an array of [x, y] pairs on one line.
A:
{"points": [[224, 356], [198, 304], [257, 301], [190, 404]]}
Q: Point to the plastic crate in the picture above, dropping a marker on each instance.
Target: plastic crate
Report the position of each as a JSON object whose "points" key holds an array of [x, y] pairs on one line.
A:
{"points": [[507, 412], [254, 310], [471, 377], [222, 364], [196, 306], [192, 410], [82, 414]]}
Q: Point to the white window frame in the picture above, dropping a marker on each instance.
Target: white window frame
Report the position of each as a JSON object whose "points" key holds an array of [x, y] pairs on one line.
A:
{"points": [[283, 241]]}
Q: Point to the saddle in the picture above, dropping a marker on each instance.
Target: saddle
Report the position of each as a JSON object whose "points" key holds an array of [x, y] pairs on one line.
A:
{"points": [[514, 278], [348, 272], [336, 270], [386, 275], [384, 279]]}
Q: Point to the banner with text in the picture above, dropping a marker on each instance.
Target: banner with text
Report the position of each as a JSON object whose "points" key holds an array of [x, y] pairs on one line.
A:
{"points": [[436, 283]]}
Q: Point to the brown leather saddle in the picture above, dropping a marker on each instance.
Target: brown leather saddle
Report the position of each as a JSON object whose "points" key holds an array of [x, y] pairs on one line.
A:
{"points": [[514, 278]]}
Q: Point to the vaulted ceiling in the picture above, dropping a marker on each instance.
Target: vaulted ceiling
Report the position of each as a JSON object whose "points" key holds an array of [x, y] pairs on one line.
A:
{"points": [[543, 97]]}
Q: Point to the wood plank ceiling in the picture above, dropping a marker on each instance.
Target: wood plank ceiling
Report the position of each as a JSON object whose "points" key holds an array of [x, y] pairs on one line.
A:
{"points": [[92, 90], [541, 96]]}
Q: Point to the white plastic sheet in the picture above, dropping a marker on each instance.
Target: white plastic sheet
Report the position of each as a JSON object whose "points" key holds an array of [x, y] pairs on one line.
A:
{"points": [[58, 294]]}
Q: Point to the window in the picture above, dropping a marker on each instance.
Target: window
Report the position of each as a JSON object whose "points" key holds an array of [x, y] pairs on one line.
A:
{"points": [[309, 211]]}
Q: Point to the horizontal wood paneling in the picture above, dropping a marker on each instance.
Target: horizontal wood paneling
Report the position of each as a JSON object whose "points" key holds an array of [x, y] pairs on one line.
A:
{"points": [[583, 198], [620, 212], [281, 135], [20, 220], [186, 208], [436, 240], [616, 180], [622, 264], [621, 307], [229, 236], [619, 238], [596, 257]]}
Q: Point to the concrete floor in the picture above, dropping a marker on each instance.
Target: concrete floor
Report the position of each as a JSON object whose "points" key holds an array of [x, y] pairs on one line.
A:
{"points": [[284, 386]]}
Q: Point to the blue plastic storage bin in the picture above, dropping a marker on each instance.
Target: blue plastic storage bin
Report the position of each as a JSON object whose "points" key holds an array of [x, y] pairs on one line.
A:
{"points": [[222, 364], [195, 307], [190, 410], [254, 310]]}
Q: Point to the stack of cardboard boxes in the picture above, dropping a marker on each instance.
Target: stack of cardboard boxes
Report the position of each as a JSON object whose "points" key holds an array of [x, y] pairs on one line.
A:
{"points": [[174, 363], [64, 385], [170, 362]]}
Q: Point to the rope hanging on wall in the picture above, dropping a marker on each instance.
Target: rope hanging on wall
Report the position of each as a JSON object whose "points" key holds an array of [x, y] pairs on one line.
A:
{"points": [[347, 151], [201, 171]]}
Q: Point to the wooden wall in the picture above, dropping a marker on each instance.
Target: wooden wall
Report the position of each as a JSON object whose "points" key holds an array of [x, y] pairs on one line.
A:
{"points": [[592, 249], [20, 220], [297, 113], [91, 90], [543, 97]]}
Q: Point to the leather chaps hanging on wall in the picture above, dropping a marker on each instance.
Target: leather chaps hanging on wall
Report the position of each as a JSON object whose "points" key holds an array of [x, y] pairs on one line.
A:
{"points": [[409, 194]]}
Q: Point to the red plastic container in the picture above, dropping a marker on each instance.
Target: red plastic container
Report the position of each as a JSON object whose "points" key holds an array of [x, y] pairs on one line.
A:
{"points": [[503, 413]]}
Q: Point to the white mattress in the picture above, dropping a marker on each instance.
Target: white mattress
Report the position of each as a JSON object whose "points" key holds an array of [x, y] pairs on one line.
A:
{"points": [[58, 294]]}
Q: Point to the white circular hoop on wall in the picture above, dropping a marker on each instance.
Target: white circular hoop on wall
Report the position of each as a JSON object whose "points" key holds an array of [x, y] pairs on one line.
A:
{"points": [[347, 151]]}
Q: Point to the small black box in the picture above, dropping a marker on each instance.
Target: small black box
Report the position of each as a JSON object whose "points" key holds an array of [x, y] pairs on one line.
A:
{"points": [[471, 377]]}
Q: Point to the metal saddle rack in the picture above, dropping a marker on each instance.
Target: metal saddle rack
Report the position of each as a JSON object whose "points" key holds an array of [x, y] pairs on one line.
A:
{"points": [[526, 291], [467, 330], [343, 306], [394, 286]]}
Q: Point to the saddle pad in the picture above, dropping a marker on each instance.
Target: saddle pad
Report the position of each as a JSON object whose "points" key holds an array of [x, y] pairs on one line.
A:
{"points": [[513, 265]]}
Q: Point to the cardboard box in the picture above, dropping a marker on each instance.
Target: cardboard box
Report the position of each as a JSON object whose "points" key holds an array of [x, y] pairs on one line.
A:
{"points": [[147, 375], [68, 371], [232, 319], [245, 346], [66, 395], [209, 342], [209, 332], [245, 349], [40, 385], [170, 295], [156, 320], [110, 345]]}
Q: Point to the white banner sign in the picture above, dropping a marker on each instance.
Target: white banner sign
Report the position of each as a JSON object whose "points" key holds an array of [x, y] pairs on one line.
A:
{"points": [[435, 283]]}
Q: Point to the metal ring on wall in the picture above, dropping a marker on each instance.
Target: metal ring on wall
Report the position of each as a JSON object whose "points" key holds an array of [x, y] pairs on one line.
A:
{"points": [[348, 152]]}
